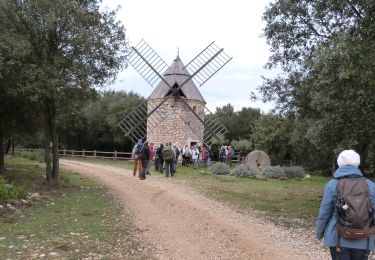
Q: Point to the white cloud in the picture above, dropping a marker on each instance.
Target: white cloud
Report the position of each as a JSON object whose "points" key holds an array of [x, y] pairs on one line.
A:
{"points": [[192, 25]]}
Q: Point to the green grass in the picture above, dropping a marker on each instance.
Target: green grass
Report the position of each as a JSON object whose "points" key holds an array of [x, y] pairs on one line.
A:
{"points": [[78, 219], [286, 202]]}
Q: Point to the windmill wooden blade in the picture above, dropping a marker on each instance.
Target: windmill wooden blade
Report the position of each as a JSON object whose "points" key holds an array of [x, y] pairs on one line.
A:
{"points": [[213, 128], [207, 63], [147, 63], [135, 123]]}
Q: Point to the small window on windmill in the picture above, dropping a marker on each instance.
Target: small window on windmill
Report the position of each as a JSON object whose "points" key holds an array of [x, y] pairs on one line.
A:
{"points": [[180, 93]]}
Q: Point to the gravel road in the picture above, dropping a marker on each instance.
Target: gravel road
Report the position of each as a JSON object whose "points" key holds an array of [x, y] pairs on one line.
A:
{"points": [[182, 224]]}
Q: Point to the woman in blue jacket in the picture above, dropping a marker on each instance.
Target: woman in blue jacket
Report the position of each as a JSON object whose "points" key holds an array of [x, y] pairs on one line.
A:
{"points": [[348, 162]]}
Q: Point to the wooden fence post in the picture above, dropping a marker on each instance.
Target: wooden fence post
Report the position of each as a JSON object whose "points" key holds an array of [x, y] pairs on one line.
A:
{"points": [[115, 155], [94, 153]]}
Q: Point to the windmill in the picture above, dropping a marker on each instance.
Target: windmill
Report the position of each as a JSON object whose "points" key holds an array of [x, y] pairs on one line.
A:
{"points": [[175, 111]]}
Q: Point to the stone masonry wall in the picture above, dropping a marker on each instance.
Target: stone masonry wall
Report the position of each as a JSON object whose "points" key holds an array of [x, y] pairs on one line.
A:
{"points": [[173, 128]]}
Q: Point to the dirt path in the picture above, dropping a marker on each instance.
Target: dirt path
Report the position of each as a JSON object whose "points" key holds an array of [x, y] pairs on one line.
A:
{"points": [[185, 225]]}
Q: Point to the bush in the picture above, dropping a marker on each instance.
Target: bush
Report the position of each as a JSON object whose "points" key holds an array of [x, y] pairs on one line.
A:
{"points": [[8, 191], [220, 168], [35, 155], [273, 172], [244, 170], [294, 172]]}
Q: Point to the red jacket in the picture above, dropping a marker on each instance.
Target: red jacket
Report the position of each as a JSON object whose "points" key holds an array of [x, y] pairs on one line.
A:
{"points": [[151, 147]]}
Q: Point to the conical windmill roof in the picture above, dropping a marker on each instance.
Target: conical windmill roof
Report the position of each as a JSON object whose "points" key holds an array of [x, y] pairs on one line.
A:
{"points": [[177, 74]]}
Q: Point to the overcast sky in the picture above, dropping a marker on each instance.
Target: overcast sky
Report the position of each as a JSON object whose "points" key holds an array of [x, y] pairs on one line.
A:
{"points": [[191, 26]]}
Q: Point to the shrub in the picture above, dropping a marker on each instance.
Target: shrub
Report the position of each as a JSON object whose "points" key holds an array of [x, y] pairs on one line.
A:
{"points": [[244, 170], [294, 172], [8, 191], [35, 155], [220, 168], [273, 172]]}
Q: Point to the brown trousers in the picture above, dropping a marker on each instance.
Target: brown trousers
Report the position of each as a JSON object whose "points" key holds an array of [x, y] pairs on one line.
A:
{"points": [[137, 161]]}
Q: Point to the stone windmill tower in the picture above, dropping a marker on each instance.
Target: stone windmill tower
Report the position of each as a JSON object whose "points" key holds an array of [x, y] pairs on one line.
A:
{"points": [[175, 111], [180, 126]]}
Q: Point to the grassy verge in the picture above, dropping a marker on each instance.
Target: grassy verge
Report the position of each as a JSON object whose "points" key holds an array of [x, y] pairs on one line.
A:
{"points": [[79, 219], [285, 202]]}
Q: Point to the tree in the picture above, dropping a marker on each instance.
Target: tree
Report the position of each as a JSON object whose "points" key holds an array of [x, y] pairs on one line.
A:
{"points": [[271, 134], [325, 50], [16, 114], [243, 123], [92, 125], [239, 124], [75, 47]]}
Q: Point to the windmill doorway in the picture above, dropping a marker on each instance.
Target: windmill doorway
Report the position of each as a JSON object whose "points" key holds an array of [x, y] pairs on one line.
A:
{"points": [[193, 143]]}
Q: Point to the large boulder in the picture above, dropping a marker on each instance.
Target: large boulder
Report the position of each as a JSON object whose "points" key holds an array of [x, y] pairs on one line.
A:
{"points": [[258, 160]]}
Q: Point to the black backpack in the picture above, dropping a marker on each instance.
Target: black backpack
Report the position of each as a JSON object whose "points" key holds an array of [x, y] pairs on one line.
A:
{"points": [[354, 211]]}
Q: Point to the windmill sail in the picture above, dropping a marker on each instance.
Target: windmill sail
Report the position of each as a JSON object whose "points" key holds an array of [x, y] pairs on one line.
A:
{"points": [[147, 63], [207, 63]]}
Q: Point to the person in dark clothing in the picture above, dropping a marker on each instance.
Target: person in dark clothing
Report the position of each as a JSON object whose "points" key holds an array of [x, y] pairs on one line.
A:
{"points": [[145, 156], [160, 161]]}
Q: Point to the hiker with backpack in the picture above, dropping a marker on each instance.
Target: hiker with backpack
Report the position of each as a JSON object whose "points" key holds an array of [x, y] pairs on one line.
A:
{"points": [[346, 217], [159, 161], [168, 156], [145, 156], [135, 156], [195, 156], [186, 153]]}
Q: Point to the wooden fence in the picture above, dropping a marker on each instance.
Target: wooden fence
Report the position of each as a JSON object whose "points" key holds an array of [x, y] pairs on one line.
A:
{"points": [[88, 154], [99, 154]]}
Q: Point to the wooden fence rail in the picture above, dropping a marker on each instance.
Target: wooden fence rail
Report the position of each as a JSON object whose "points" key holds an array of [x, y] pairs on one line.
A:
{"points": [[98, 154], [88, 154]]}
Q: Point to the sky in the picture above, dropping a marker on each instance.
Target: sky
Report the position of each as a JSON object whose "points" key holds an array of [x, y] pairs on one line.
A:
{"points": [[190, 26]]}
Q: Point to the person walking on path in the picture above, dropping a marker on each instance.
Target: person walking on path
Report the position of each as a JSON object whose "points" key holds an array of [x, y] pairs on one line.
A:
{"points": [[145, 156], [333, 205], [160, 160], [168, 156], [186, 152], [195, 156], [151, 147], [175, 160], [135, 156], [204, 156]]}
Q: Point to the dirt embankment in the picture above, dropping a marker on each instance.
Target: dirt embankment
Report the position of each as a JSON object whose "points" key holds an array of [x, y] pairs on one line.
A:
{"points": [[182, 224]]}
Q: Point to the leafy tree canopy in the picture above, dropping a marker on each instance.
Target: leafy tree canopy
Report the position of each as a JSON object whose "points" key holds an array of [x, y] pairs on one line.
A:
{"points": [[325, 49]]}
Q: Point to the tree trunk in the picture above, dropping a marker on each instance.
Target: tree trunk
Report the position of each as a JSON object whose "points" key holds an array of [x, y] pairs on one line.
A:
{"points": [[47, 153], [51, 144], [55, 153], [2, 162], [8, 145], [13, 146]]}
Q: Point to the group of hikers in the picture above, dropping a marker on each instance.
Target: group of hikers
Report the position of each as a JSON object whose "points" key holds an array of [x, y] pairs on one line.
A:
{"points": [[166, 157]]}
